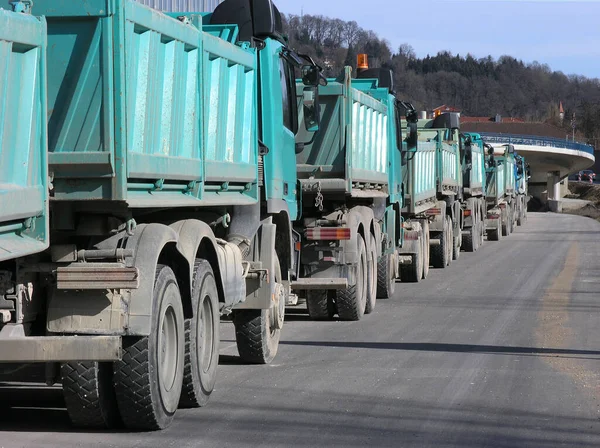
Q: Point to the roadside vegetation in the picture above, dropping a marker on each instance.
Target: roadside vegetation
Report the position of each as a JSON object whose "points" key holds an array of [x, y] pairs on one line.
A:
{"points": [[478, 86]]}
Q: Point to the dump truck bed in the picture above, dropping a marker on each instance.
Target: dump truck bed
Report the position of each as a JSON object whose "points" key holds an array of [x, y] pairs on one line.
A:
{"points": [[474, 179], [146, 109], [23, 168], [433, 168], [496, 184], [349, 152], [421, 176], [510, 176]]}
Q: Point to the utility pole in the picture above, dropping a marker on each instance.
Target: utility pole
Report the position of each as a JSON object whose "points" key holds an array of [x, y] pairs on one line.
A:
{"points": [[573, 123]]}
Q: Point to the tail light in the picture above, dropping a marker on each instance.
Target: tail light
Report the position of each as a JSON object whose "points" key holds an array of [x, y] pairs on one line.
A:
{"points": [[466, 212], [328, 233], [433, 211]]}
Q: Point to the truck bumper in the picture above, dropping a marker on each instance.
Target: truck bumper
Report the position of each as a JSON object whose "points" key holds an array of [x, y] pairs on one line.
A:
{"points": [[30, 349], [332, 277], [320, 283], [493, 222]]}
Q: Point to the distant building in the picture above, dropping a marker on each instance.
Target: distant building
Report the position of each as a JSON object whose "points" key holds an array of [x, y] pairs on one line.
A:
{"points": [[513, 127], [496, 119]]}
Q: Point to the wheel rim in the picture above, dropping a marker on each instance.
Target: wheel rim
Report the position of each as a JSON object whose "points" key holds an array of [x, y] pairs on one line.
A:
{"points": [[449, 241], [373, 274], [361, 279], [168, 348], [205, 334], [276, 314], [391, 272]]}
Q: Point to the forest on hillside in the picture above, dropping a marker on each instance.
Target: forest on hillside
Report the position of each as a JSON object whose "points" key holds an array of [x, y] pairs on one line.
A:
{"points": [[478, 86]]}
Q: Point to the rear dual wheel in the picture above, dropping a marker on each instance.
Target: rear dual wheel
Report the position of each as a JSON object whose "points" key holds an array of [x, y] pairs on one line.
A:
{"points": [[413, 273], [386, 273], [426, 247], [472, 237], [257, 332], [89, 395], [441, 254], [320, 305], [372, 276], [201, 339], [452, 242], [351, 302], [174, 366], [149, 377]]}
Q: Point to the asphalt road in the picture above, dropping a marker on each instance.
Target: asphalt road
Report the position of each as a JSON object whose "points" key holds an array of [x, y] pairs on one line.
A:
{"points": [[502, 349]]}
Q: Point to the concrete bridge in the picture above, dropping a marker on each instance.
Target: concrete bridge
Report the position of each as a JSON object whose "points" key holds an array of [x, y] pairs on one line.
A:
{"points": [[551, 161]]}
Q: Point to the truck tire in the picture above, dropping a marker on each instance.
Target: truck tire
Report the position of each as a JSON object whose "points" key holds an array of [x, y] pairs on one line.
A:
{"points": [[482, 216], [351, 302], [519, 212], [470, 238], [386, 283], [413, 273], [439, 253], [456, 246], [148, 378], [320, 305], [425, 227], [256, 331], [494, 234], [201, 339], [504, 218], [450, 246], [89, 395], [372, 277]]}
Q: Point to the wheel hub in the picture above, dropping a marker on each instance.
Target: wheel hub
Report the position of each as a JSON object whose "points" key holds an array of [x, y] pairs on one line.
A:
{"points": [[279, 306]]}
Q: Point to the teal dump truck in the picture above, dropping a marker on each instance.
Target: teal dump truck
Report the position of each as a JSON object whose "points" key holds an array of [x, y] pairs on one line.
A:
{"points": [[474, 189], [343, 173], [172, 184], [434, 186], [522, 192], [500, 191]]}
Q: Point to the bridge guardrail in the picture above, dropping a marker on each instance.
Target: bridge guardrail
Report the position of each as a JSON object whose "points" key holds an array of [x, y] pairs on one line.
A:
{"points": [[535, 140]]}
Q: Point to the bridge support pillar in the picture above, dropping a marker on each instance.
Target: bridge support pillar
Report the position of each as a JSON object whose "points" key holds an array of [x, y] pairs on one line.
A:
{"points": [[553, 189]]}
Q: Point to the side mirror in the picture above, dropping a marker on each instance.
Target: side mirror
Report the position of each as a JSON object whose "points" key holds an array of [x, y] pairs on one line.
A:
{"points": [[312, 113], [312, 76], [412, 120], [413, 137], [511, 149]]}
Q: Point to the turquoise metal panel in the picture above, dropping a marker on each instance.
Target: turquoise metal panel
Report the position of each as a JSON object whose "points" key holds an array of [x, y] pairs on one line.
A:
{"points": [[23, 136], [394, 147], [496, 186], [230, 112], [70, 8], [352, 141], [509, 178], [141, 102], [448, 164], [369, 126], [475, 178], [162, 74], [421, 175], [280, 162]]}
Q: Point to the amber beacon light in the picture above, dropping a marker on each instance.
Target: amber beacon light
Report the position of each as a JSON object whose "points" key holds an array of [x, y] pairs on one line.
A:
{"points": [[362, 62]]}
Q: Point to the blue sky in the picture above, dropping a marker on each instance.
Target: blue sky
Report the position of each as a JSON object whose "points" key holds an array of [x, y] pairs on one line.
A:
{"points": [[563, 34]]}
